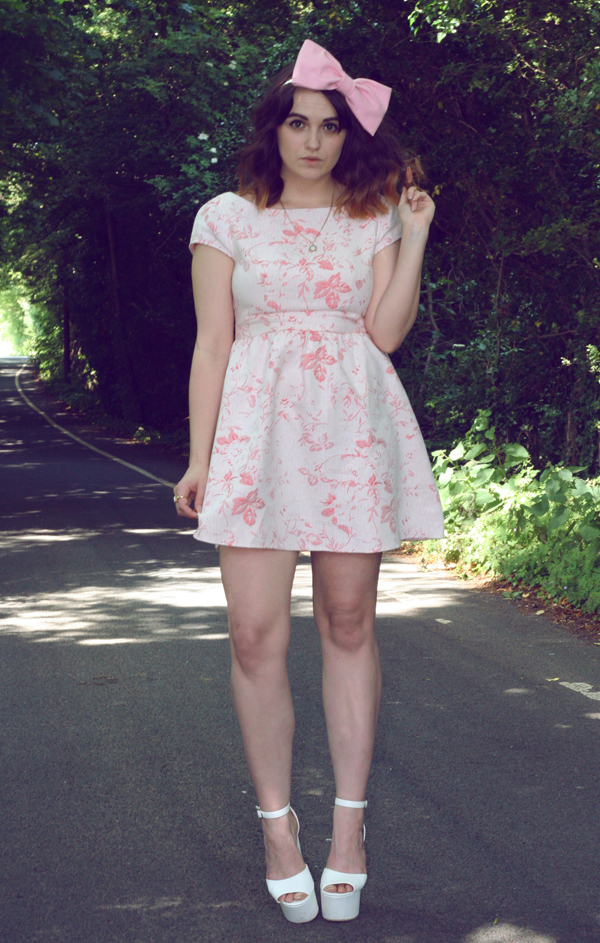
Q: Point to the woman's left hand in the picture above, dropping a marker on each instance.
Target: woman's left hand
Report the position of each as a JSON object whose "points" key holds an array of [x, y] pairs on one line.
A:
{"points": [[416, 208]]}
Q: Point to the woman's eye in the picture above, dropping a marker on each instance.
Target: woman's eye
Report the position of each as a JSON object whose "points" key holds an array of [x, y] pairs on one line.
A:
{"points": [[296, 123], [332, 127]]}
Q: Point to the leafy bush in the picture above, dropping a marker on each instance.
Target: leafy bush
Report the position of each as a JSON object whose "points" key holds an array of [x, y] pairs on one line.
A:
{"points": [[504, 517]]}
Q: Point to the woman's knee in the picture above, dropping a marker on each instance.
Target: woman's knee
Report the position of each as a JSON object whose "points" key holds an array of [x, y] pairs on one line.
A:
{"points": [[348, 629], [256, 642]]}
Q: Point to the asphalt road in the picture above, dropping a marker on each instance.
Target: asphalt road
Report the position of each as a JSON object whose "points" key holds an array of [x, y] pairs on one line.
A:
{"points": [[127, 812]]}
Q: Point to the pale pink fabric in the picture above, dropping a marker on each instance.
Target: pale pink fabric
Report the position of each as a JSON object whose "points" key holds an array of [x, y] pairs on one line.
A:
{"points": [[317, 69], [316, 445]]}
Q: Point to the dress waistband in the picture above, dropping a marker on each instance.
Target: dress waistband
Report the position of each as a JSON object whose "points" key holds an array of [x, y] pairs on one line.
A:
{"points": [[318, 323]]}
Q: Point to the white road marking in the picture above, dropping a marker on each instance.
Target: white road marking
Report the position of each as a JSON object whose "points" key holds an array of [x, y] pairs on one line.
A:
{"points": [[582, 688], [88, 445], [507, 933]]}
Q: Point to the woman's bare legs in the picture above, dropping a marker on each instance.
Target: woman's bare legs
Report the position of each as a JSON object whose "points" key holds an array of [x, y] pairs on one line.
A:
{"points": [[258, 586], [344, 599]]}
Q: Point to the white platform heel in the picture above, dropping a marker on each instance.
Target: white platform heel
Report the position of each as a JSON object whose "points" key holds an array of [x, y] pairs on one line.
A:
{"points": [[299, 911], [346, 906]]}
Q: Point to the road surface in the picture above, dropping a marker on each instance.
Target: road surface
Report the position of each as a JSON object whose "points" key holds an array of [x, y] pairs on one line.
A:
{"points": [[127, 811]]}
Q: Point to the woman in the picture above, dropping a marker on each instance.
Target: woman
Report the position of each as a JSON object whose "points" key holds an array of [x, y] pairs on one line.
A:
{"points": [[301, 435]]}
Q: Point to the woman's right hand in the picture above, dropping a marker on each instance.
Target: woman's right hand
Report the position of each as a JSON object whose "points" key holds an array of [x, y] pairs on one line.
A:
{"points": [[190, 490], [212, 272]]}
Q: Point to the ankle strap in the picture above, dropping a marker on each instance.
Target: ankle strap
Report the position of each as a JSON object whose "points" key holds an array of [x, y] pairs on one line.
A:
{"points": [[272, 815], [350, 804]]}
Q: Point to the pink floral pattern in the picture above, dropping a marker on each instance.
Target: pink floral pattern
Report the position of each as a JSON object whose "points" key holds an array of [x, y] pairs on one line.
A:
{"points": [[317, 446]]}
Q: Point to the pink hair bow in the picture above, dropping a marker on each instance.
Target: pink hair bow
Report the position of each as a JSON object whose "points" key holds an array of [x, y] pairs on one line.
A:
{"points": [[318, 70]]}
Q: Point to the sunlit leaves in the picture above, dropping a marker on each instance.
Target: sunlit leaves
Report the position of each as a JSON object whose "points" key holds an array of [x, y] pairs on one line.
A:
{"points": [[541, 528], [105, 104]]}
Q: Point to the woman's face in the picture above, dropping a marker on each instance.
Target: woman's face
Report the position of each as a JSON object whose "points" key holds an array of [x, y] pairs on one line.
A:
{"points": [[310, 139]]}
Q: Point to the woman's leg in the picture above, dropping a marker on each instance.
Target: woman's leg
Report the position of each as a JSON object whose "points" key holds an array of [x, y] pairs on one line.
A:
{"points": [[344, 599], [258, 586]]}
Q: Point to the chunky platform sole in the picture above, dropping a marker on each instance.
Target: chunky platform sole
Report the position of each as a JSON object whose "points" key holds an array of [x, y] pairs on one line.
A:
{"points": [[341, 906], [346, 906], [298, 911]]}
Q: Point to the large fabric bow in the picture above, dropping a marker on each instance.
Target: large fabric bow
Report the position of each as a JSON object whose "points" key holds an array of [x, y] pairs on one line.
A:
{"points": [[318, 70]]}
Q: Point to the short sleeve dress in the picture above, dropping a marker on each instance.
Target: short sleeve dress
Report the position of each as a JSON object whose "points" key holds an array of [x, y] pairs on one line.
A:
{"points": [[316, 446]]}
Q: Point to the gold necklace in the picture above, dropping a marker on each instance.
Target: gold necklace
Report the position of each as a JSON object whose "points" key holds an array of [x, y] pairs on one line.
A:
{"points": [[312, 247]]}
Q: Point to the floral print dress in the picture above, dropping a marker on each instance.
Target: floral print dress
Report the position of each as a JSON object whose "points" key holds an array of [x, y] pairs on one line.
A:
{"points": [[316, 447]]}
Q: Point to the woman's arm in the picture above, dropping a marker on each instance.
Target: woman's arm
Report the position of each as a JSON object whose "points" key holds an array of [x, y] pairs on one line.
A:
{"points": [[212, 271], [397, 274]]}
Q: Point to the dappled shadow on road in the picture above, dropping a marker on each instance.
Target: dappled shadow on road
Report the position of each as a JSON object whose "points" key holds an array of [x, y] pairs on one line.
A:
{"points": [[101, 587], [175, 919], [116, 585]]}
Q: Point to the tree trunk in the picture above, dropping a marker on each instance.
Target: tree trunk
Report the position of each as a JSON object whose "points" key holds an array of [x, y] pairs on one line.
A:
{"points": [[129, 400], [114, 284], [434, 339], [571, 440], [66, 338]]}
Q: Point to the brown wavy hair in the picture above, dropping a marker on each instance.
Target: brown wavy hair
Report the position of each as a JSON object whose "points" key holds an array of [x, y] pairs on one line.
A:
{"points": [[372, 169]]}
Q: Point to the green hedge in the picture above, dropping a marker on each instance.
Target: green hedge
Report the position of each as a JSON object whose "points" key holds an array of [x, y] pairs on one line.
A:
{"points": [[505, 518]]}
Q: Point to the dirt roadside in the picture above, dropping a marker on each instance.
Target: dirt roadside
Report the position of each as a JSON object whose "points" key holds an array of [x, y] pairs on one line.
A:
{"points": [[525, 598]]}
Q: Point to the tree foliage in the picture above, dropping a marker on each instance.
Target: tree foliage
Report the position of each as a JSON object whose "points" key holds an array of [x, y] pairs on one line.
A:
{"points": [[120, 118], [515, 148]]}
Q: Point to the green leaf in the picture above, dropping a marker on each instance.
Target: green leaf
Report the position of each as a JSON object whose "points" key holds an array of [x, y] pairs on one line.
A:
{"points": [[484, 497], [482, 420], [517, 451], [558, 497], [475, 451], [540, 507], [457, 452], [581, 487], [556, 490], [589, 532], [483, 475], [558, 519]]}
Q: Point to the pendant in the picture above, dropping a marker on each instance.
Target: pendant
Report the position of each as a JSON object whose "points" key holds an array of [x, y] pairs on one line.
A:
{"points": [[312, 247]]}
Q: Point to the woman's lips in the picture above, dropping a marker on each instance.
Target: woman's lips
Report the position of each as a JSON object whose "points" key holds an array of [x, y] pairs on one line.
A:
{"points": [[312, 160]]}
